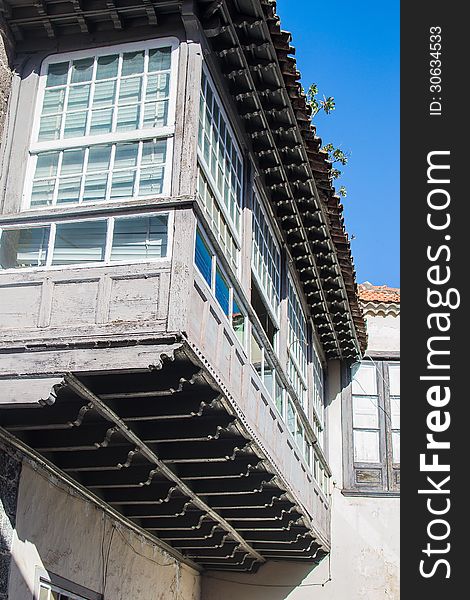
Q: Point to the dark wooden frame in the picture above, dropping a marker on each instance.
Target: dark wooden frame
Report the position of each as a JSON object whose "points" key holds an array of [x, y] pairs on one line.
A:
{"points": [[366, 478]]}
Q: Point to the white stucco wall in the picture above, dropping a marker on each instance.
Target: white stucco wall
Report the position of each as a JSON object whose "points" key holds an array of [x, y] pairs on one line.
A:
{"points": [[67, 535], [384, 333]]}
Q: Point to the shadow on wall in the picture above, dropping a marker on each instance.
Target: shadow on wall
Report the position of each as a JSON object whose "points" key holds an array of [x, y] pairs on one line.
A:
{"points": [[10, 470], [275, 580]]}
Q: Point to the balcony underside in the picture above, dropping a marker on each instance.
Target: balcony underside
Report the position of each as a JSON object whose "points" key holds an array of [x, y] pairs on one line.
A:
{"points": [[164, 449]]}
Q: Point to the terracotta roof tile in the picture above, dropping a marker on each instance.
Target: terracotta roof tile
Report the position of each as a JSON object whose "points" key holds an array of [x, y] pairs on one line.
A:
{"points": [[378, 293]]}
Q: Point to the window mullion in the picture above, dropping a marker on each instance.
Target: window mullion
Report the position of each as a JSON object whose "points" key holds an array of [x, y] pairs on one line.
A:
{"points": [[118, 89], [57, 179], [110, 172], [144, 88], [92, 96], [66, 101], [84, 170], [109, 239], [50, 248], [137, 169]]}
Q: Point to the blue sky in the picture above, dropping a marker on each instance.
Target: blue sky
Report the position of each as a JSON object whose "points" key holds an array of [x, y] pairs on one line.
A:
{"points": [[351, 50]]}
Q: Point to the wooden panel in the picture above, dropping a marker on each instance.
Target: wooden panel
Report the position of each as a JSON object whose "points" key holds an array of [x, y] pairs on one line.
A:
{"points": [[369, 476], [19, 305], [134, 298], [74, 303]]}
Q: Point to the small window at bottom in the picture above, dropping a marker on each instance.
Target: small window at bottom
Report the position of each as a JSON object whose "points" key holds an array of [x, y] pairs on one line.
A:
{"points": [[58, 588]]}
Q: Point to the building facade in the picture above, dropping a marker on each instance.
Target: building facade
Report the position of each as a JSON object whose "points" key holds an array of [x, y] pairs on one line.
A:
{"points": [[363, 446], [178, 303]]}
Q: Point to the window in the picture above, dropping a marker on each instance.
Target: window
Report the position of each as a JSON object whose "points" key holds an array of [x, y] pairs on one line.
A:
{"points": [[218, 223], [266, 258], [318, 385], [103, 126], [372, 414], [264, 315], [297, 340], [53, 587], [265, 369], [107, 240], [206, 262], [220, 158]]}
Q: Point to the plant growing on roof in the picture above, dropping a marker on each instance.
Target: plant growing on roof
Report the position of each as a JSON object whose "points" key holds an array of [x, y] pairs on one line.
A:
{"points": [[335, 155]]}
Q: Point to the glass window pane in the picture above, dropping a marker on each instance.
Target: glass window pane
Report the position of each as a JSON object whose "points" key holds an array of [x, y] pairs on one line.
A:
{"points": [[46, 165], [132, 63], [98, 158], [69, 190], [291, 418], [366, 446], [57, 74], [158, 87], [238, 322], [151, 181], [140, 238], [269, 378], [280, 398], [24, 248], [128, 118], [365, 412], [79, 242], [130, 90], [394, 377], [396, 446], [154, 152], [72, 161], [256, 356], [123, 184], [101, 121], [299, 435], [104, 94], [53, 101], [79, 96], [364, 379], [49, 128], [82, 70], [159, 59], [395, 410], [42, 193], [75, 124], [107, 66], [95, 187], [203, 259], [126, 156], [156, 114], [222, 292]]}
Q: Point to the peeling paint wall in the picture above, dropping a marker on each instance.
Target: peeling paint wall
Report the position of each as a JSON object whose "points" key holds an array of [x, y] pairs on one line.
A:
{"points": [[5, 72], [70, 537]]}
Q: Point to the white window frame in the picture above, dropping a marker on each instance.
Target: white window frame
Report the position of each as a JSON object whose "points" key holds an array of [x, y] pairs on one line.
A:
{"points": [[300, 369], [110, 220], [137, 135], [318, 408], [273, 310], [237, 235], [235, 261]]}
